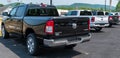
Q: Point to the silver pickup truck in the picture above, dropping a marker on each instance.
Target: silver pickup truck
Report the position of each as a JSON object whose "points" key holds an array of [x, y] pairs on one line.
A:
{"points": [[98, 20]]}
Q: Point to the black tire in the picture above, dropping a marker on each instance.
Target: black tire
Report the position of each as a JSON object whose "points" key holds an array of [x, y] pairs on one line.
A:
{"points": [[5, 34], [98, 29], [110, 25], [70, 46], [32, 44]]}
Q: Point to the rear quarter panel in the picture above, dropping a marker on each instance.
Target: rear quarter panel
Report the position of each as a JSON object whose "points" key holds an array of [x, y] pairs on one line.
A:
{"points": [[35, 23]]}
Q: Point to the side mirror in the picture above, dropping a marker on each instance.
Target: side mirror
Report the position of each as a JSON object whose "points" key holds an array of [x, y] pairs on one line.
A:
{"points": [[5, 14]]}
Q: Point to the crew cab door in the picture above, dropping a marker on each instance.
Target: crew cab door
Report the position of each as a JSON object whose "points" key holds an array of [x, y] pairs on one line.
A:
{"points": [[19, 19], [9, 21]]}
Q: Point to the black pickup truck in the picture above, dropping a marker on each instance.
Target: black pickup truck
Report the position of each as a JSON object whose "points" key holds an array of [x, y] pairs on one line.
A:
{"points": [[41, 26], [114, 19]]}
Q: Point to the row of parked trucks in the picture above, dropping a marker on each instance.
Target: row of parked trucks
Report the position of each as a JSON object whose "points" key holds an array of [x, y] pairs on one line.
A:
{"points": [[41, 26], [98, 19]]}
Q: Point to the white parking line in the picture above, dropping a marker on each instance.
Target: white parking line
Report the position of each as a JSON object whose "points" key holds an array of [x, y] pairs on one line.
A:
{"points": [[83, 52]]}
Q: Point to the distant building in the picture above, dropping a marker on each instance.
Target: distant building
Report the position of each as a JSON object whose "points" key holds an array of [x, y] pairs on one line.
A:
{"points": [[8, 9], [62, 12], [5, 9], [2, 9]]}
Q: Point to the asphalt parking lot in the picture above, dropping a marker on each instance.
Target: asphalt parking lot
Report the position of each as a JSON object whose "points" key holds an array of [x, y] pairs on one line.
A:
{"points": [[104, 44]]}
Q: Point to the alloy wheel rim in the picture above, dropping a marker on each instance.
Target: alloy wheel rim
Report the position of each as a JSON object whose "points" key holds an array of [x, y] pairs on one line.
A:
{"points": [[30, 44]]}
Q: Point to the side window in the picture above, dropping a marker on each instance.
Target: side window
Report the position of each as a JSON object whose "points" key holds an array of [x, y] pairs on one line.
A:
{"points": [[20, 11], [116, 13], [69, 13], [94, 13], [100, 13], [32, 12], [72, 13], [85, 13], [12, 13], [106, 13]]}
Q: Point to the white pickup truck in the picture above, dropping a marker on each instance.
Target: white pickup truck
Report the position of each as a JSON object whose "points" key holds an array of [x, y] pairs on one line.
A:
{"points": [[98, 20]]}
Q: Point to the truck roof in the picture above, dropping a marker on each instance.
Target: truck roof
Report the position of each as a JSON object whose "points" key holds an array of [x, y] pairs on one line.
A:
{"points": [[38, 5], [80, 10]]}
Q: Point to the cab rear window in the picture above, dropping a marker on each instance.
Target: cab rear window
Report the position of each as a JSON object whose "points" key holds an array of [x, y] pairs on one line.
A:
{"points": [[106, 13], [42, 12], [85, 13], [100, 13]]}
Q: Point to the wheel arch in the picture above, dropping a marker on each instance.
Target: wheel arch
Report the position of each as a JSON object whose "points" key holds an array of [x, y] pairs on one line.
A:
{"points": [[28, 31], [2, 23]]}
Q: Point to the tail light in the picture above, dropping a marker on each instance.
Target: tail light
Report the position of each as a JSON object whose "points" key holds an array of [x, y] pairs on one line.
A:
{"points": [[110, 17], [49, 28], [93, 19], [88, 24], [119, 17]]}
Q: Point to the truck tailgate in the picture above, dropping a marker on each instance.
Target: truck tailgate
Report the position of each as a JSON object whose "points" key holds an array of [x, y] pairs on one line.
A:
{"points": [[101, 19], [115, 18], [71, 26]]}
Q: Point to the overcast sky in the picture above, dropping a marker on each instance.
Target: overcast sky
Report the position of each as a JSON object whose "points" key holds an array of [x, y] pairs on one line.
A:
{"points": [[63, 2]]}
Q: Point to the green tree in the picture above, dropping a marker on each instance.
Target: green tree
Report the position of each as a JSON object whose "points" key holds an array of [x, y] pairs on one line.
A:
{"points": [[101, 9], [17, 4], [118, 6], [1, 5]]}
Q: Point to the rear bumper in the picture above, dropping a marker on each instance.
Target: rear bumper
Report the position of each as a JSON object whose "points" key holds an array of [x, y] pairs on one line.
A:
{"points": [[99, 25], [113, 22], [65, 41]]}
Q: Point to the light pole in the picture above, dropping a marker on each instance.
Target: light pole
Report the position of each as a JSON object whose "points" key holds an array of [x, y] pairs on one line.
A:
{"points": [[110, 5], [105, 5], [50, 2]]}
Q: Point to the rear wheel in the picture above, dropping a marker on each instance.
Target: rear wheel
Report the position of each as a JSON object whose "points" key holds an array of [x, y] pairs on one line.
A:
{"points": [[32, 44], [98, 29], [70, 46], [5, 34], [110, 25]]}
